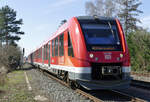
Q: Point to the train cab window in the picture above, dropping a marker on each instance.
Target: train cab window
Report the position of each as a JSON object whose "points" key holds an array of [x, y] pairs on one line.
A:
{"points": [[70, 47], [61, 45], [56, 46], [101, 35], [53, 48]]}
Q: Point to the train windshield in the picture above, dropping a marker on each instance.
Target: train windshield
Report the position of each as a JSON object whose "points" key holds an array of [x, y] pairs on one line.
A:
{"points": [[101, 36]]}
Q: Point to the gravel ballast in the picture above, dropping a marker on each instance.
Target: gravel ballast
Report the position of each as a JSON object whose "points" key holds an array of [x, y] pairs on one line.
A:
{"points": [[51, 89]]}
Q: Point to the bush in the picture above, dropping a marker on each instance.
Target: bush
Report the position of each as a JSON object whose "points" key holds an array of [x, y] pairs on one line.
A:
{"points": [[3, 75], [139, 47], [9, 56]]}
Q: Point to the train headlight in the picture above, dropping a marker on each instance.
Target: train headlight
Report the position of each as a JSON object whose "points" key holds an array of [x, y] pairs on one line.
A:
{"points": [[91, 55], [121, 55]]}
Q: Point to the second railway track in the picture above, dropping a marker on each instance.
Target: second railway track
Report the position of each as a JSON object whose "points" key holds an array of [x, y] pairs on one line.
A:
{"points": [[141, 84], [98, 95]]}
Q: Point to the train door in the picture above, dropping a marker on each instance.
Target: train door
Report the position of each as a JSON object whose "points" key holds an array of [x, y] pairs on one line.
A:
{"points": [[61, 49], [49, 51], [56, 51]]}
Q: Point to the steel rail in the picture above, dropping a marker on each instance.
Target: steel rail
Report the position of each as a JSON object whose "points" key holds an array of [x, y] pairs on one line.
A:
{"points": [[95, 99], [87, 95], [133, 99], [141, 84]]}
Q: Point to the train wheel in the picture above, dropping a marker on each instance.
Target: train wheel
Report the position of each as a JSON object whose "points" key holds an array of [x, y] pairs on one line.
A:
{"points": [[74, 85]]}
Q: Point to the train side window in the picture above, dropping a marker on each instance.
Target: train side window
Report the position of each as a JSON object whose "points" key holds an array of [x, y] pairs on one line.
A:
{"points": [[70, 47], [38, 54], [52, 48], [61, 45], [56, 46], [41, 53], [49, 49], [46, 51]]}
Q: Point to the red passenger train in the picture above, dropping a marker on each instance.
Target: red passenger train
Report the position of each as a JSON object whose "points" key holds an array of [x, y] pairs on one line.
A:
{"points": [[89, 51]]}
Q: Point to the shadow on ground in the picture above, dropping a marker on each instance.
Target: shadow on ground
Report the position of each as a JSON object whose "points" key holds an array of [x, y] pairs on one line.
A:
{"points": [[27, 66]]}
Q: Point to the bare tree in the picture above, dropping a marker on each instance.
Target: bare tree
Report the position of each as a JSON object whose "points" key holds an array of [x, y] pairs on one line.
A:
{"points": [[110, 8], [90, 9], [128, 14], [101, 8], [126, 10]]}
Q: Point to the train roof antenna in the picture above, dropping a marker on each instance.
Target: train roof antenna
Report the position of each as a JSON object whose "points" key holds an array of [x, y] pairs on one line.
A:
{"points": [[95, 16]]}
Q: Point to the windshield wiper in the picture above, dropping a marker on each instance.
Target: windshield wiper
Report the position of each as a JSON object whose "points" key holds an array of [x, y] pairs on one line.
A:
{"points": [[111, 29]]}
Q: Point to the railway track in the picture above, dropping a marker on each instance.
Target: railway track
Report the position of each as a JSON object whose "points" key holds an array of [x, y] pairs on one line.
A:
{"points": [[141, 84], [98, 95], [133, 99], [77, 90]]}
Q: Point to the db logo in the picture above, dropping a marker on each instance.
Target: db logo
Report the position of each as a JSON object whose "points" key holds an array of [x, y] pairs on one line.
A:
{"points": [[107, 57]]}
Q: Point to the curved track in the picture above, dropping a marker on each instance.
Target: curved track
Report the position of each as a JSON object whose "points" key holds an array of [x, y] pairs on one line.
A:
{"points": [[98, 95]]}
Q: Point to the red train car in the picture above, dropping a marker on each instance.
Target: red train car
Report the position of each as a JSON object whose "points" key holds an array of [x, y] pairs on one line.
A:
{"points": [[89, 51]]}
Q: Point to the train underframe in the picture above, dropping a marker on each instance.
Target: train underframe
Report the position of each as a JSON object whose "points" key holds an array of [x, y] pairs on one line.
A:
{"points": [[102, 76]]}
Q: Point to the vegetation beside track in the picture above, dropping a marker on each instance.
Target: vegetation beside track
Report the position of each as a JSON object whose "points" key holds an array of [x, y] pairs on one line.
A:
{"points": [[139, 47], [9, 60], [15, 89]]}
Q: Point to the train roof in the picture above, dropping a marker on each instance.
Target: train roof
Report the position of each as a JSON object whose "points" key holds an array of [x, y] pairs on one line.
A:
{"points": [[94, 17], [65, 25]]}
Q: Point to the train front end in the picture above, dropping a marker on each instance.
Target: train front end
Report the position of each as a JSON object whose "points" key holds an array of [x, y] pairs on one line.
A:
{"points": [[105, 52]]}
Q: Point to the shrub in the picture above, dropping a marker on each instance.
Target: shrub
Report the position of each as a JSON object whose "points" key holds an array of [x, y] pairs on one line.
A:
{"points": [[3, 75], [139, 47], [10, 56]]}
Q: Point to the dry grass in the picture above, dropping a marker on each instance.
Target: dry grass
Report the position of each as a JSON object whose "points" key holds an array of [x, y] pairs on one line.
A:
{"points": [[15, 90], [3, 79], [3, 75]]}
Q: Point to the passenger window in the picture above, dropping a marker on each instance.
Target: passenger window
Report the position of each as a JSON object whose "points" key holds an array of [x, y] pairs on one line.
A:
{"points": [[47, 52], [56, 46], [70, 47], [52, 48], [61, 45], [44, 52], [41, 53], [49, 49]]}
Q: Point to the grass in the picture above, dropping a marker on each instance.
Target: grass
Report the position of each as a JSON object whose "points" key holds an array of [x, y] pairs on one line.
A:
{"points": [[15, 89]]}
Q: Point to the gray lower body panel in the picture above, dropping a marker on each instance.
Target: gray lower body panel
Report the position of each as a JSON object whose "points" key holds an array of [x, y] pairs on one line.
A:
{"points": [[86, 81]]}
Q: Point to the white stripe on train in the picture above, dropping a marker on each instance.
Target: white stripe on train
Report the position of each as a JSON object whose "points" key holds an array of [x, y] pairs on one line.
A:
{"points": [[125, 69]]}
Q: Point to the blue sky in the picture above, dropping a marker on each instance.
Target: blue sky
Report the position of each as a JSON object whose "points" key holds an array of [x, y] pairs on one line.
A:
{"points": [[42, 17]]}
